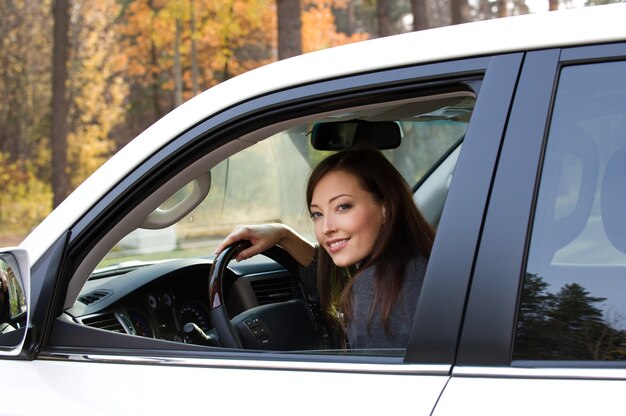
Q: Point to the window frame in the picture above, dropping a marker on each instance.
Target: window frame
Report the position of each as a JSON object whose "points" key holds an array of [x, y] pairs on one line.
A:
{"points": [[496, 72]]}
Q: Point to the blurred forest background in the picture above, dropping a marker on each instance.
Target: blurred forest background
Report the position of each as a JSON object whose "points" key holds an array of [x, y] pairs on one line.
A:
{"points": [[79, 79]]}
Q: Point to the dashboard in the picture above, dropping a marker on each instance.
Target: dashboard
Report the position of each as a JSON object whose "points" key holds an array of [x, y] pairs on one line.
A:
{"points": [[169, 300]]}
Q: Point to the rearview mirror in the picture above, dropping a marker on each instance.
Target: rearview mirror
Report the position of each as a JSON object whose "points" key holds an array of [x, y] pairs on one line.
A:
{"points": [[339, 135]]}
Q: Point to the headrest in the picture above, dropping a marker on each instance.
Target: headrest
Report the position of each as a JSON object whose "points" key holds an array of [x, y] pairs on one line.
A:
{"points": [[613, 200]]}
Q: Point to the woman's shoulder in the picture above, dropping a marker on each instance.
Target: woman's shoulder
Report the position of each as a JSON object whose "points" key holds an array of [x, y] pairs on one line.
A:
{"points": [[415, 270], [418, 261], [364, 282]]}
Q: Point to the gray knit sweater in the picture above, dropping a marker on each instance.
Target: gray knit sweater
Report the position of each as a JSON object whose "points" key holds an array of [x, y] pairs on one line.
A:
{"points": [[364, 333]]}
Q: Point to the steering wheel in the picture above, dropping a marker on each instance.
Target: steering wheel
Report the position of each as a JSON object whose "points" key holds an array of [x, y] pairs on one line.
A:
{"points": [[282, 326]]}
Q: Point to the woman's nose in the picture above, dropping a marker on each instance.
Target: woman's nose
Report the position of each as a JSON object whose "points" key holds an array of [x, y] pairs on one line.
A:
{"points": [[328, 224]]}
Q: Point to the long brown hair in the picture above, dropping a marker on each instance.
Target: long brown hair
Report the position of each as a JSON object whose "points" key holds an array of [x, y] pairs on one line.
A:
{"points": [[403, 232]]}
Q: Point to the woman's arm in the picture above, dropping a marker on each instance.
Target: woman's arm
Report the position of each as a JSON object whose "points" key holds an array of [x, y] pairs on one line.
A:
{"points": [[264, 236]]}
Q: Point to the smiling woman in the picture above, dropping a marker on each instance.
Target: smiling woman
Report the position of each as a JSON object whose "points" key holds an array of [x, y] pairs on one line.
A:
{"points": [[374, 246], [370, 225]]}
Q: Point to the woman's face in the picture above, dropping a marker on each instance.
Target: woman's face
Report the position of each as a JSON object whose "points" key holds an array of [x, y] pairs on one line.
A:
{"points": [[347, 218]]}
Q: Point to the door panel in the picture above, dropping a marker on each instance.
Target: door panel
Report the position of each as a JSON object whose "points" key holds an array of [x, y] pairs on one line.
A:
{"points": [[556, 185], [70, 387], [515, 394]]}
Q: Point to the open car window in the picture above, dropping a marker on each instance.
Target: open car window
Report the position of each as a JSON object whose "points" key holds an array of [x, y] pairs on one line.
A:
{"points": [[266, 182], [154, 280]]}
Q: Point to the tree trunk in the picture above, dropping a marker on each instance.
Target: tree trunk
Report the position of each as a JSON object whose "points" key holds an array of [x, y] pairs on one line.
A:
{"points": [[289, 28], [195, 72], [457, 11], [419, 8], [383, 18], [178, 69], [58, 138], [502, 8], [553, 5], [11, 112], [155, 84]]}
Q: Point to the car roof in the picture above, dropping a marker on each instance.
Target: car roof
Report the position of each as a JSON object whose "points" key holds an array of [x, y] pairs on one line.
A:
{"points": [[520, 33]]}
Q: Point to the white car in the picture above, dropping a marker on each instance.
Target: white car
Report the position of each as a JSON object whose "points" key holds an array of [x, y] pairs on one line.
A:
{"points": [[513, 133]]}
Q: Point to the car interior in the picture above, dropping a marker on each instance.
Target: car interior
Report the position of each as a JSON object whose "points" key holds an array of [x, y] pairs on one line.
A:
{"points": [[154, 275]]}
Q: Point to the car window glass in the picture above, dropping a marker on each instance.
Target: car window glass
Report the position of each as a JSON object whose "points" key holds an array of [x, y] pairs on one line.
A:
{"points": [[572, 305], [265, 182]]}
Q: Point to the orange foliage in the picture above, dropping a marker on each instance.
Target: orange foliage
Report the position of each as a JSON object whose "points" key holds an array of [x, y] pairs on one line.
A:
{"points": [[318, 26], [96, 88], [233, 36]]}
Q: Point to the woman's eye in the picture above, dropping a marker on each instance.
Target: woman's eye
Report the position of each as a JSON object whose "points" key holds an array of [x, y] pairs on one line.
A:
{"points": [[316, 215], [343, 207]]}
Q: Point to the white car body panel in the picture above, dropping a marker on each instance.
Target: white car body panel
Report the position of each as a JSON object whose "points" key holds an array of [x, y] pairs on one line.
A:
{"points": [[576, 26], [80, 388], [520, 392]]}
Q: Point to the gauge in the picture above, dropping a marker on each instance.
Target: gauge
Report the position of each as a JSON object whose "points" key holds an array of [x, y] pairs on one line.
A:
{"points": [[160, 300], [141, 323], [152, 301], [195, 312], [168, 299]]}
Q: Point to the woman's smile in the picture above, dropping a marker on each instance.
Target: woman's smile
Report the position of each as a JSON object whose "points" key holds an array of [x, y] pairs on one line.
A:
{"points": [[335, 245]]}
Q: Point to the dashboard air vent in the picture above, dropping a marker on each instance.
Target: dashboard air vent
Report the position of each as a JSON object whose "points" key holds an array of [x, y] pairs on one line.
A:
{"points": [[276, 289], [107, 321], [95, 296]]}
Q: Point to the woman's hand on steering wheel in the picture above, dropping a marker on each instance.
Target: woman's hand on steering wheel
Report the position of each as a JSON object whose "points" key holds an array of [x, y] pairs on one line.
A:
{"points": [[261, 237]]}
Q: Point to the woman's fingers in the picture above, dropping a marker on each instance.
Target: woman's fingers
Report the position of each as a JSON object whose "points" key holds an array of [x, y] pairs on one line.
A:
{"points": [[260, 236]]}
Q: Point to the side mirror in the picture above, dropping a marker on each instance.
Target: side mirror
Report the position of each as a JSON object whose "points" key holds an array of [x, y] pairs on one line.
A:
{"points": [[339, 135], [14, 292]]}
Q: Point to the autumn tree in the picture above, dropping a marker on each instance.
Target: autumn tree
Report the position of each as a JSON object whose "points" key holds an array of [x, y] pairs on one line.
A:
{"points": [[289, 28], [25, 85], [459, 10], [216, 41], [419, 9], [24, 77], [97, 90], [142, 38], [195, 70], [384, 19], [502, 8], [58, 138], [319, 29]]}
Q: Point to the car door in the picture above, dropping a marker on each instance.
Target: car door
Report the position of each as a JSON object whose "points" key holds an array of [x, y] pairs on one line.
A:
{"points": [[75, 368], [544, 329]]}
